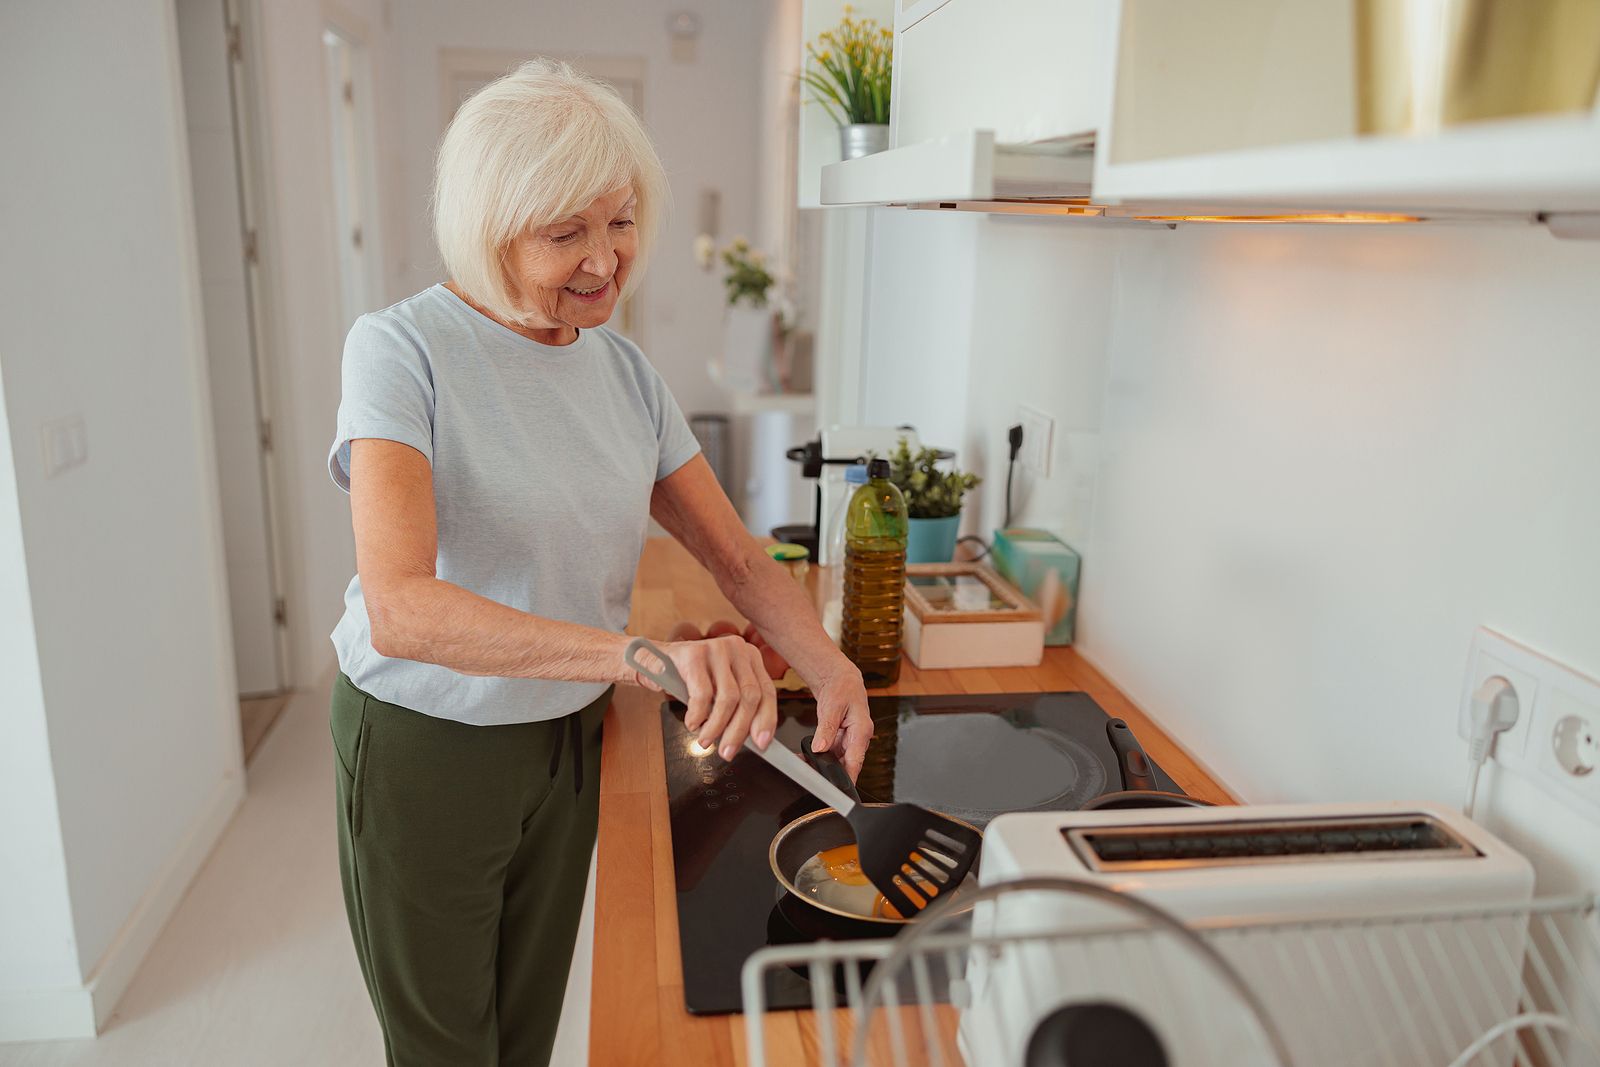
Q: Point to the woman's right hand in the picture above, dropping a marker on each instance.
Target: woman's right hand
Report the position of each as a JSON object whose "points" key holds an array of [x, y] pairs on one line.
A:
{"points": [[731, 696]]}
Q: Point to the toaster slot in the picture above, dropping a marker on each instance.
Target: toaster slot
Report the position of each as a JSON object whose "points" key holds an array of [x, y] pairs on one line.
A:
{"points": [[1180, 846]]}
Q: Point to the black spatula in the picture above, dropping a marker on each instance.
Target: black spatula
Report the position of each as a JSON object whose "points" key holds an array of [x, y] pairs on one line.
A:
{"points": [[910, 854]]}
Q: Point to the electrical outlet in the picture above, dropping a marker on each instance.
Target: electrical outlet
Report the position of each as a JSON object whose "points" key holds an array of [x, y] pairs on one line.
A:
{"points": [[1556, 739], [1038, 440], [1493, 654]]}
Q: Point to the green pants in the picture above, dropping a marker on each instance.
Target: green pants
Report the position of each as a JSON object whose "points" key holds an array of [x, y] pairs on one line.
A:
{"points": [[464, 852]]}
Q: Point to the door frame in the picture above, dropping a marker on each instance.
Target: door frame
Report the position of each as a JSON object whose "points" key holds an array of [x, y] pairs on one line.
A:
{"points": [[246, 59]]}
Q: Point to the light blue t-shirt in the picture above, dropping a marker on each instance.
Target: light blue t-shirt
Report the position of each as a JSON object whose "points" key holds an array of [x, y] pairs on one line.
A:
{"points": [[543, 461]]}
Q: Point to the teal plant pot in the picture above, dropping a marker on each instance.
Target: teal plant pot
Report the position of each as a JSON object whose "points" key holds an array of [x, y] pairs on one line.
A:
{"points": [[933, 540]]}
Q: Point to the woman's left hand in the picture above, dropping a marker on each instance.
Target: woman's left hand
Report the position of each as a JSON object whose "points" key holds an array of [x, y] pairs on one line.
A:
{"points": [[844, 721]]}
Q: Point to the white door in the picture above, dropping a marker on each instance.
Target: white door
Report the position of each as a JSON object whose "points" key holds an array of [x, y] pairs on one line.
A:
{"points": [[240, 430]]}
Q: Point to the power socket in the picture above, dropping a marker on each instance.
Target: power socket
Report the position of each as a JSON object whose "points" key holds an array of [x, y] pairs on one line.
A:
{"points": [[1556, 739], [1038, 440]]}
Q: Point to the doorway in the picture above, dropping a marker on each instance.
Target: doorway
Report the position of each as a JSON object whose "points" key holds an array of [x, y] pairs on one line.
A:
{"points": [[211, 55]]}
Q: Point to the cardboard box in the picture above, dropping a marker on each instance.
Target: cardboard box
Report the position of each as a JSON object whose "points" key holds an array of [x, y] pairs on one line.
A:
{"points": [[1046, 570]]}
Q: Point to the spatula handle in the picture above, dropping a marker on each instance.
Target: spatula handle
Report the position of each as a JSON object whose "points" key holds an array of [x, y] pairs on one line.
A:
{"points": [[787, 762], [668, 678], [805, 776]]}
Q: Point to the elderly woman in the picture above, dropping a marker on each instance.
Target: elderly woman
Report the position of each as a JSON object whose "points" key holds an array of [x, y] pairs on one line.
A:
{"points": [[504, 452]]}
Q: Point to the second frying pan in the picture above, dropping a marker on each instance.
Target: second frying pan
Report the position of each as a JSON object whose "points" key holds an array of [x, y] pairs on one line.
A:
{"points": [[1139, 786]]}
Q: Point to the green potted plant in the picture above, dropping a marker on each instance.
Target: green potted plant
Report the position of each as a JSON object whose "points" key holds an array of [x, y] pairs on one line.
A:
{"points": [[933, 501], [848, 70]]}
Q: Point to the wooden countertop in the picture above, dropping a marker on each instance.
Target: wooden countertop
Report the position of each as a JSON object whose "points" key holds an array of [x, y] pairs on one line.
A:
{"points": [[638, 1015]]}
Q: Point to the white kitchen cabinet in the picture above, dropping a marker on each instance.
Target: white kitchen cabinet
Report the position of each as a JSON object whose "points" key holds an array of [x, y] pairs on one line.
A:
{"points": [[991, 98], [1252, 104], [1027, 70]]}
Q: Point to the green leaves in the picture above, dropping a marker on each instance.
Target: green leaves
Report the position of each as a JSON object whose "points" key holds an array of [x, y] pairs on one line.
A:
{"points": [[930, 492], [747, 277]]}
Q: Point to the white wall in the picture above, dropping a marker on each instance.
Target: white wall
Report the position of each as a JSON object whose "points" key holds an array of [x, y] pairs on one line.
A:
{"points": [[123, 554], [1302, 465], [36, 938], [702, 115]]}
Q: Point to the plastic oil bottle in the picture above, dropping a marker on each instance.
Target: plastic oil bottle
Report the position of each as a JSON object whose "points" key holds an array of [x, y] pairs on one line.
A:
{"points": [[874, 577]]}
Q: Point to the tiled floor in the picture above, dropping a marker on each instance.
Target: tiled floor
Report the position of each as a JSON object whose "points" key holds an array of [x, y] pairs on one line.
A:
{"points": [[255, 969]]}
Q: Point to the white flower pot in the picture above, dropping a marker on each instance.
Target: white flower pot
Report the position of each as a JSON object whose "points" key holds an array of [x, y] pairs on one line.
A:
{"points": [[746, 363]]}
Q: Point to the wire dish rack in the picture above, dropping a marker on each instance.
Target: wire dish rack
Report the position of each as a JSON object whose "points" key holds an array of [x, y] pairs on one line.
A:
{"points": [[987, 984]]}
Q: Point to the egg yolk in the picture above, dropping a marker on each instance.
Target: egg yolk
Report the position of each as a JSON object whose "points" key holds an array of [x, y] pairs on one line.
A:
{"points": [[843, 865]]}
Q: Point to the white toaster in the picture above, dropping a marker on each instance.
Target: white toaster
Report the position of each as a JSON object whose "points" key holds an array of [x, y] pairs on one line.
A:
{"points": [[1319, 876]]}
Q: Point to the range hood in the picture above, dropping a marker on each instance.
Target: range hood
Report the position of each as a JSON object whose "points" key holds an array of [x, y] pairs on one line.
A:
{"points": [[964, 167], [970, 171]]}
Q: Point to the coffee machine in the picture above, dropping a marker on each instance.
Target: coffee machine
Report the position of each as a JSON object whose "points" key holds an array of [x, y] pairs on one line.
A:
{"points": [[824, 459]]}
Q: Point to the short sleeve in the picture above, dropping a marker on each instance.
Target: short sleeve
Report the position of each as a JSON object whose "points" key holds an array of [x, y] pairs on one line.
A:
{"points": [[677, 442], [386, 392]]}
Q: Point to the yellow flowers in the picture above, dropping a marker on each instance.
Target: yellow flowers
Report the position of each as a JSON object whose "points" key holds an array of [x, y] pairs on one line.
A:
{"points": [[851, 69]]}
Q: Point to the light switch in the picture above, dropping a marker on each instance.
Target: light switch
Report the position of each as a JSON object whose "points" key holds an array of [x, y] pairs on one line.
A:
{"points": [[66, 444]]}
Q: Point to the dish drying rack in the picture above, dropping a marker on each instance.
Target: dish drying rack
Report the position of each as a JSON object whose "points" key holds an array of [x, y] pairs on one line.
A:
{"points": [[1515, 985]]}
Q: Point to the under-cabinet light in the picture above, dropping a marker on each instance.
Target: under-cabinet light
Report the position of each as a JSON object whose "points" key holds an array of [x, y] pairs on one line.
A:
{"points": [[1335, 217]]}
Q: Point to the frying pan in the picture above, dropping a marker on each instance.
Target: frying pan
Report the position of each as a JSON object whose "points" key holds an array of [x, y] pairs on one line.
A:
{"points": [[803, 838], [1139, 786]]}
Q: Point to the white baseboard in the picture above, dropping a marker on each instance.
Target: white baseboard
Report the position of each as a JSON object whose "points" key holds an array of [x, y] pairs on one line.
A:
{"points": [[47, 1014]]}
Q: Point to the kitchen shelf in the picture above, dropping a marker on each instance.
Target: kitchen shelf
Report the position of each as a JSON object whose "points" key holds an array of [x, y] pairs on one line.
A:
{"points": [[1512, 166], [963, 166]]}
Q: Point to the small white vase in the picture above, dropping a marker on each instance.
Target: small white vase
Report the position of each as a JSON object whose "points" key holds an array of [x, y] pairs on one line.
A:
{"points": [[746, 364]]}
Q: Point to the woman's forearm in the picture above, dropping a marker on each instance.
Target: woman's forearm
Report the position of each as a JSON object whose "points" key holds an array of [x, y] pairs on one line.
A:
{"points": [[763, 592], [433, 621]]}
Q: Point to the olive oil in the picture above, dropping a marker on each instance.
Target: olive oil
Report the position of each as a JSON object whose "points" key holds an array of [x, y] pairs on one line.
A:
{"points": [[875, 577]]}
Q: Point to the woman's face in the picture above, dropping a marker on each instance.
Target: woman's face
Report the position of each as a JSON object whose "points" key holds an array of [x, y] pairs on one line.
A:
{"points": [[568, 274]]}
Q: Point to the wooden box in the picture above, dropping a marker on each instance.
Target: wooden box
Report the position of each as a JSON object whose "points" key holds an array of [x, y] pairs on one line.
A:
{"points": [[966, 615]]}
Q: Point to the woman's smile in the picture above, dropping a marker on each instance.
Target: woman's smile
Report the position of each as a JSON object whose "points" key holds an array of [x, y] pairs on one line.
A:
{"points": [[592, 294]]}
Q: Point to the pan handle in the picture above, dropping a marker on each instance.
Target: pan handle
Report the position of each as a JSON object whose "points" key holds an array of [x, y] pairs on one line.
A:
{"points": [[1131, 760]]}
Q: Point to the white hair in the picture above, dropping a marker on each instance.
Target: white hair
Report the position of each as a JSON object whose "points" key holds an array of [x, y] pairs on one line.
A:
{"points": [[527, 150]]}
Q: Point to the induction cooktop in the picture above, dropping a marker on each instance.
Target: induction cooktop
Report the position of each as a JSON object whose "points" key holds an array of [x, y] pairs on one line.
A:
{"points": [[974, 757]]}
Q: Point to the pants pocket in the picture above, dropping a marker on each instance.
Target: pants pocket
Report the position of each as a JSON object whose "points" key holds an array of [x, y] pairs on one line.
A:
{"points": [[358, 788]]}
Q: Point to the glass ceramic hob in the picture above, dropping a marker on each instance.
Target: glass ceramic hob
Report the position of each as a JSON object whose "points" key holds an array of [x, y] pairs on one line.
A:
{"points": [[969, 756]]}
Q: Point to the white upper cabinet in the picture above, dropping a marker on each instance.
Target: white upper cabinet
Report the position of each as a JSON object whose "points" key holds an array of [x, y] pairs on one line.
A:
{"points": [[1026, 70], [1424, 106], [992, 98]]}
